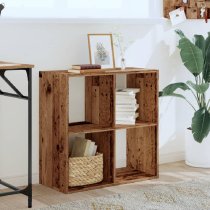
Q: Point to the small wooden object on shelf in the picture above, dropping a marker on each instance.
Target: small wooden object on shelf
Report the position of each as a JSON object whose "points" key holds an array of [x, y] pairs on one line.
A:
{"points": [[99, 126]]}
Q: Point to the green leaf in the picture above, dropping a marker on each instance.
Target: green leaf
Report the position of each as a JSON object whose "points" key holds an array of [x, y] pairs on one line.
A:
{"points": [[170, 89], [180, 33], [206, 70], [200, 43], [199, 88], [161, 94], [201, 124], [192, 56]]}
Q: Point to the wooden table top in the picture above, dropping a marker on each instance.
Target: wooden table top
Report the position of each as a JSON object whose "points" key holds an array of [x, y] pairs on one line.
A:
{"points": [[13, 66]]}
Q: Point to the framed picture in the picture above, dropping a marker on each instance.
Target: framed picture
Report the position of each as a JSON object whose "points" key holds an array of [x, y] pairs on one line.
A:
{"points": [[101, 50]]}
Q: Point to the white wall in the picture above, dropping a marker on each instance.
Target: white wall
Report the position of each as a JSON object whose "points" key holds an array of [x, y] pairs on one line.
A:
{"points": [[57, 46]]}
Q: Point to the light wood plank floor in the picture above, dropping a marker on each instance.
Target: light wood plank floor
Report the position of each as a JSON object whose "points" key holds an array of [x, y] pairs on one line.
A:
{"points": [[42, 196]]}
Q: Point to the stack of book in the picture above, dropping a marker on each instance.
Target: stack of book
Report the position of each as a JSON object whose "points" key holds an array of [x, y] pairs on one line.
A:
{"points": [[82, 147], [82, 68], [126, 106]]}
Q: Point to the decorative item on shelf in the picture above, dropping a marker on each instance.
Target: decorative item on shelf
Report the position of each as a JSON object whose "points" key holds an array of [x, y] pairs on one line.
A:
{"points": [[177, 16], [123, 64], [85, 170], [83, 68], [2, 6], [82, 147], [86, 66], [86, 165], [101, 50], [119, 43], [204, 12], [196, 58]]}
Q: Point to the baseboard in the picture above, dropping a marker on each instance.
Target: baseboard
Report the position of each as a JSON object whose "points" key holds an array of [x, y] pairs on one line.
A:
{"points": [[21, 180], [171, 157], [164, 158]]}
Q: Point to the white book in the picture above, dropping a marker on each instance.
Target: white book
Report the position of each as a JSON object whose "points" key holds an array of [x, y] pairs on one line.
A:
{"points": [[121, 97], [121, 122], [94, 150], [127, 114], [118, 109], [129, 106], [129, 90], [90, 149], [124, 101], [126, 118]]}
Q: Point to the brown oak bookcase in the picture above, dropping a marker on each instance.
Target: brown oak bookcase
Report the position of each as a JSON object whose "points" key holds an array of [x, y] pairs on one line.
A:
{"points": [[99, 126]]}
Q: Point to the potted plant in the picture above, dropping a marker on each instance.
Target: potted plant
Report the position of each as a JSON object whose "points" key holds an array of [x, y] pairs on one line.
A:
{"points": [[196, 58]]}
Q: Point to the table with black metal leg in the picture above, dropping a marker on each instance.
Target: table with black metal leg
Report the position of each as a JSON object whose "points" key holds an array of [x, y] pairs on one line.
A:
{"points": [[4, 67]]}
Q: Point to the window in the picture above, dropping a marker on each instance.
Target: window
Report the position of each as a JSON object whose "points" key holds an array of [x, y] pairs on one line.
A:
{"points": [[80, 8]]}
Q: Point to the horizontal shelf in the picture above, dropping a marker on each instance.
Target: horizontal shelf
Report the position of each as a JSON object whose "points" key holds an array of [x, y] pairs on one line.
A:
{"points": [[85, 127], [137, 125], [89, 187], [129, 175]]}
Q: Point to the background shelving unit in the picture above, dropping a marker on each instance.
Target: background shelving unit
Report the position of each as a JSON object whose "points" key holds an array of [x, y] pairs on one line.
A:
{"points": [[192, 7], [99, 126]]}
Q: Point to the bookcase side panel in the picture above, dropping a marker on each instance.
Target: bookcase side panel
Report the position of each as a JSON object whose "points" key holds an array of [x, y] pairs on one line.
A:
{"points": [[60, 131], [54, 131], [45, 129]]}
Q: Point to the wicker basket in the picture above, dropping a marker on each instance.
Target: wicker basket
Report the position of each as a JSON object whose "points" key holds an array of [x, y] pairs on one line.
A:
{"points": [[85, 170]]}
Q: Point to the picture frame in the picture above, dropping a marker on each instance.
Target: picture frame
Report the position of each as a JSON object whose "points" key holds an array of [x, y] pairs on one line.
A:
{"points": [[101, 50]]}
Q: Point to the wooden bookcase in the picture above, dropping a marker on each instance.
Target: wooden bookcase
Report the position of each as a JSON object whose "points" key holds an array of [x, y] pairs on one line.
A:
{"points": [[192, 7], [99, 126]]}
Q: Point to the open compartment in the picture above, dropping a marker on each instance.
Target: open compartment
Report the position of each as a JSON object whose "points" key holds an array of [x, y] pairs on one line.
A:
{"points": [[106, 146], [99, 104], [147, 98], [140, 161]]}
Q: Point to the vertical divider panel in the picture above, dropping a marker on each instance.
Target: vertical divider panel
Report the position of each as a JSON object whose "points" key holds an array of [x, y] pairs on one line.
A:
{"points": [[106, 145], [45, 129]]}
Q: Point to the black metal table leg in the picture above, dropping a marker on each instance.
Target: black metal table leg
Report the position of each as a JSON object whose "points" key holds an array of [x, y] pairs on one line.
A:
{"points": [[28, 190], [29, 73]]}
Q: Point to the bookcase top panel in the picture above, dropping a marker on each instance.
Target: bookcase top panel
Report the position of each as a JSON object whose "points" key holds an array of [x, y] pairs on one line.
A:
{"points": [[9, 65], [93, 72]]}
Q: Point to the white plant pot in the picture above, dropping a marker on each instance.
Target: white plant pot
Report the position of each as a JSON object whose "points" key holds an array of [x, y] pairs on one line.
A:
{"points": [[197, 154]]}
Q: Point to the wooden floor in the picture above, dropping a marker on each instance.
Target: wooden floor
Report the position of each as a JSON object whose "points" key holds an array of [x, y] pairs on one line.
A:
{"points": [[42, 196]]}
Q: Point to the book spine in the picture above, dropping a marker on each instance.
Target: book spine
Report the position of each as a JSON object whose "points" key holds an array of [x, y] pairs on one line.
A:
{"points": [[90, 67]]}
